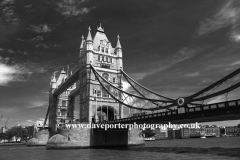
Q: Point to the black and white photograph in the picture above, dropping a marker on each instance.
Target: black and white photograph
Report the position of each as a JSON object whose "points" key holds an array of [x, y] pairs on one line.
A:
{"points": [[119, 79]]}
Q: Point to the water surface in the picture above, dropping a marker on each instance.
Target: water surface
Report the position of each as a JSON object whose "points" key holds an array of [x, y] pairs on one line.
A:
{"points": [[187, 149]]}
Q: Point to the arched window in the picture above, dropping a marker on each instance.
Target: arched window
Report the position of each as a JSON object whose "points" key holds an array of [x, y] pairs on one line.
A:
{"points": [[64, 103], [105, 76]]}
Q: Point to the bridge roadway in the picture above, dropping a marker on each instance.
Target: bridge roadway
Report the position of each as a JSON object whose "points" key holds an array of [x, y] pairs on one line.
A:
{"points": [[229, 110]]}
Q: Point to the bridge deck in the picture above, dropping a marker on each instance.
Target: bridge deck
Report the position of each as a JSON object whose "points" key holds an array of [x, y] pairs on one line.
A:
{"points": [[213, 112]]}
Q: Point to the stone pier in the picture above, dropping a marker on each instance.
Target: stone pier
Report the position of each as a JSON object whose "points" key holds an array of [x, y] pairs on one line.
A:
{"points": [[40, 138], [87, 137]]}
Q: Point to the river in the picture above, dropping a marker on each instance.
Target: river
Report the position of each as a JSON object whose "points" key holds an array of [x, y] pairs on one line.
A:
{"points": [[187, 149]]}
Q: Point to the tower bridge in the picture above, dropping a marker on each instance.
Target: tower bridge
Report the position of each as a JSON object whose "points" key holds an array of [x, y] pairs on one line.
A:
{"points": [[98, 81]]}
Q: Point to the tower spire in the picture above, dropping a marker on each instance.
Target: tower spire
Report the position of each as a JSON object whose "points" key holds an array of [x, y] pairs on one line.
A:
{"points": [[54, 77], [118, 43], [89, 37], [81, 46], [100, 28], [53, 81]]}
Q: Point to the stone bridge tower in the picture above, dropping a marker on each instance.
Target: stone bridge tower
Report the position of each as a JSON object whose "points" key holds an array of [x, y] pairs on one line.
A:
{"points": [[61, 106], [95, 104]]}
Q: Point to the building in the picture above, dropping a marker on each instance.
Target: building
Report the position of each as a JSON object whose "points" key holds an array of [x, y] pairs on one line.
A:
{"points": [[95, 103], [232, 131], [63, 110], [3, 129]]}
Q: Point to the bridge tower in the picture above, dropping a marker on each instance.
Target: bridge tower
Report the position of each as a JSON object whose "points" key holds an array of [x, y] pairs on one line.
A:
{"points": [[95, 104], [60, 107]]}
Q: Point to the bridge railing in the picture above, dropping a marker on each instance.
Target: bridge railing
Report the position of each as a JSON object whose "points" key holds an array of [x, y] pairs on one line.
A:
{"points": [[179, 111]]}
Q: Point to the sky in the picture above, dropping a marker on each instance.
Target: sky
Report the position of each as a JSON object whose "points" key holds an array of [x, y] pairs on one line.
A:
{"points": [[173, 47]]}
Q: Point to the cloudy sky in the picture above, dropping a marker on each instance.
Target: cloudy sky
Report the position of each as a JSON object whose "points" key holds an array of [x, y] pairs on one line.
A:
{"points": [[174, 47]]}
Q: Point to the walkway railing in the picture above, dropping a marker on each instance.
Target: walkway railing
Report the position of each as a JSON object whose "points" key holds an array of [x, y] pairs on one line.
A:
{"points": [[179, 111]]}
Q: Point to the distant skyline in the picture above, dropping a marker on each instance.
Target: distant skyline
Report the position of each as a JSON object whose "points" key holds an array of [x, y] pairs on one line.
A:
{"points": [[173, 47]]}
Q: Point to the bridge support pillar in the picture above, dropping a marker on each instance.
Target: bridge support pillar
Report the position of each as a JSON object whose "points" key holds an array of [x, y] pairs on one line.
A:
{"points": [[90, 137]]}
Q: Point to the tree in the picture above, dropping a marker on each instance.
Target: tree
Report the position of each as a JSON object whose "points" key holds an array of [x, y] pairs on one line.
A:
{"points": [[8, 135], [17, 132], [30, 131], [3, 136], [148, 132]]}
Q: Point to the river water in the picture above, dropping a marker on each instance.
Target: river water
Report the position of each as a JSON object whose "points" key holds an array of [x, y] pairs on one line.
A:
{"points": [[152, 150]]}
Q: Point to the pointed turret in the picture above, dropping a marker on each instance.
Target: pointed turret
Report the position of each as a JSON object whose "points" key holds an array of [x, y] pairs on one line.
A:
{"points": [[118, 43], [118, 49], [89, 37], [100, 28], [53, 81], [89, 40], [81, 45], [63, 71], [61, 77]]}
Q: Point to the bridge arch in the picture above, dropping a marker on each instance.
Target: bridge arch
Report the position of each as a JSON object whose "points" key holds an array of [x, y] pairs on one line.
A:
{"points": [[106, 112]]}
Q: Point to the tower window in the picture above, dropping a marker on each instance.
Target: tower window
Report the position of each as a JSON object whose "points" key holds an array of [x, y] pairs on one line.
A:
{"points": [[98, 93], [105, 94], [64, 103], [102, 49]]}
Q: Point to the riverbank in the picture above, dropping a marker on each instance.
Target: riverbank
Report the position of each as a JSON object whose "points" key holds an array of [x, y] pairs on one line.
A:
{"points": [[226, 146], [12, 144], [223, 142]]}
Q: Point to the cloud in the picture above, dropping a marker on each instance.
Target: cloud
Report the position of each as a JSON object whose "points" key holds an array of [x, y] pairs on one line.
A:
{"points": [[8, 110], [214, 66], [205, 80], [73, 7], [8, 15], [235, 63], [217, 99], [37, 104], [7, 74], [30, 122], [43, 28], [11, 71], [228, 15], [195, 74], [183, 54]]}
